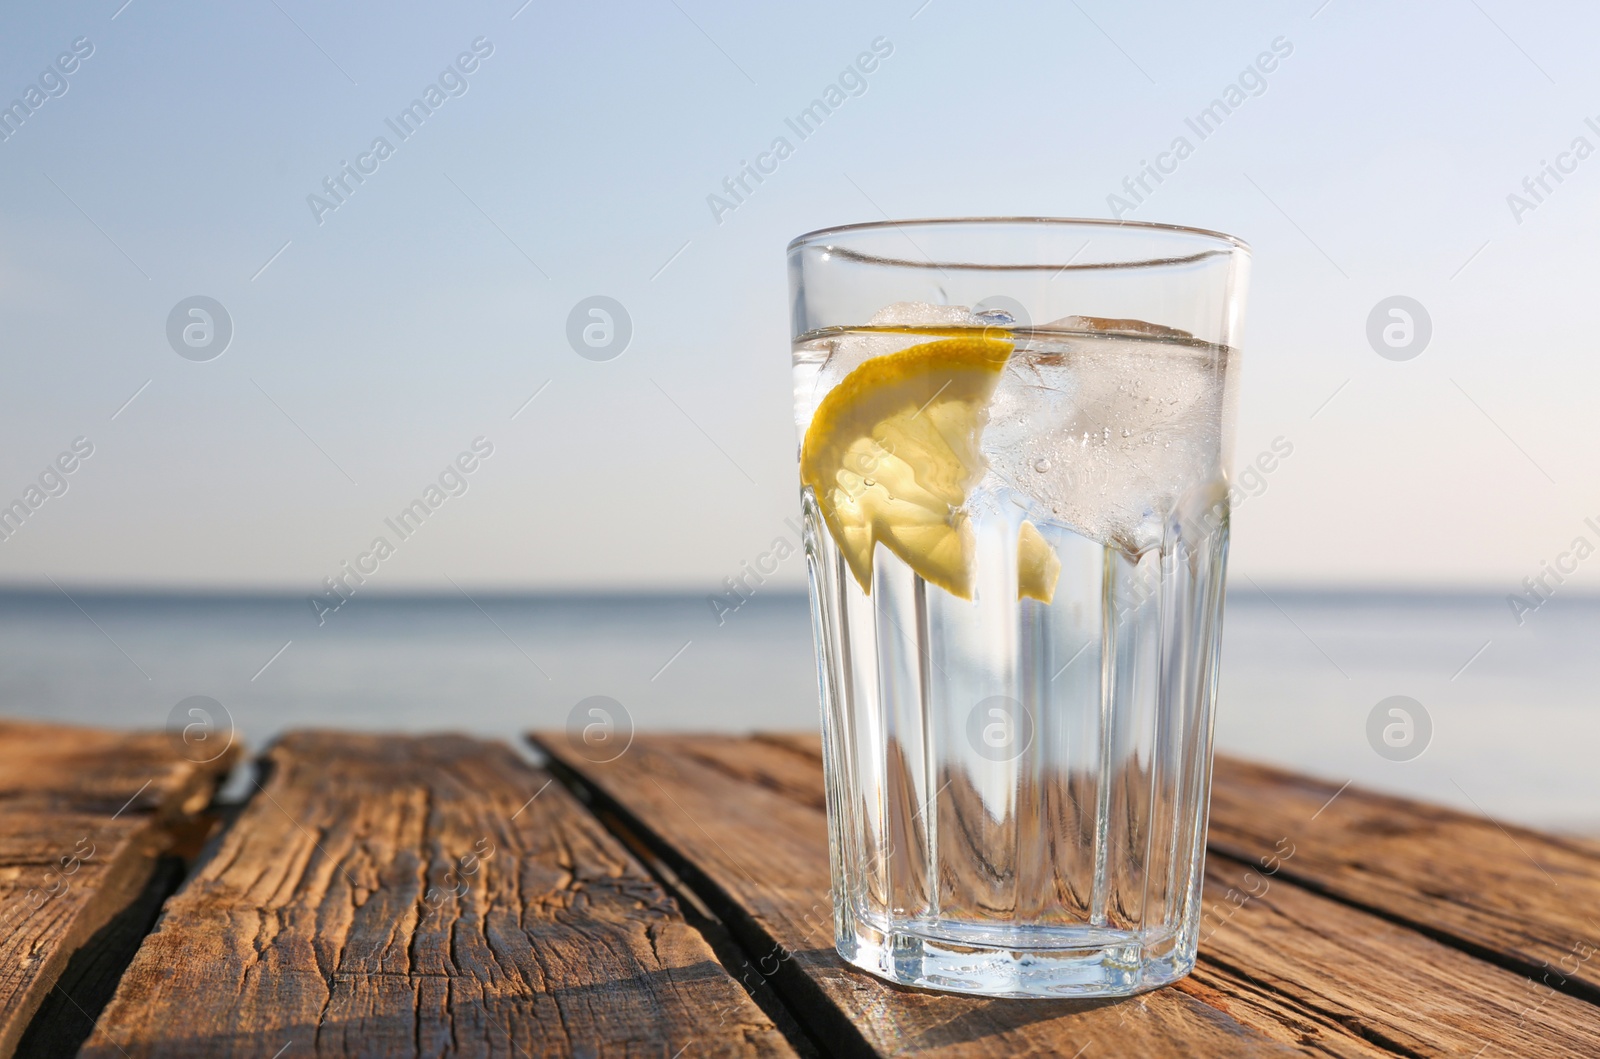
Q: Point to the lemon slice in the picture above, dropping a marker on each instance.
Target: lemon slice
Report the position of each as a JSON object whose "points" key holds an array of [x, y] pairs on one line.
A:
{"points": [[1038, 565], [893, 450]]}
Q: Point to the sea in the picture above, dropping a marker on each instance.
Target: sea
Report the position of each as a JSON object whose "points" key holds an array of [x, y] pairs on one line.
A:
{"points": [[1498, 717]]}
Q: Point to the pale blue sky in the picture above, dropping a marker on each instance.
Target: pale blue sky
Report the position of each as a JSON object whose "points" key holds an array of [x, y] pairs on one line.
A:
{"points": [[423, 312]]}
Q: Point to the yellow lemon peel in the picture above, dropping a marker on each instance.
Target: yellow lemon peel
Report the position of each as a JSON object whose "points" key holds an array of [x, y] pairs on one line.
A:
{"points": [[893, 451], [1038, 565]]}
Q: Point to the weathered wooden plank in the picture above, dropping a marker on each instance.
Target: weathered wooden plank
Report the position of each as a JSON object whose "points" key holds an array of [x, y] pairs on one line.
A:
{"points": [[84, 815], [1276, 953], [746, 820], [1462, 879], [1291, 968], [388, 896], [1528, 900], [67, 1014]]}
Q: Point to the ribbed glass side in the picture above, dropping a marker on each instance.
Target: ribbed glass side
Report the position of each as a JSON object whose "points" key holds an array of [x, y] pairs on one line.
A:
{"points": [[1017, 791]]}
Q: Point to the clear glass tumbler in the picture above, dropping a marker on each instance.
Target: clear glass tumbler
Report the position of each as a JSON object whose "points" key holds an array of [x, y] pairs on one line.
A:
{"points": [[1014, 452]]}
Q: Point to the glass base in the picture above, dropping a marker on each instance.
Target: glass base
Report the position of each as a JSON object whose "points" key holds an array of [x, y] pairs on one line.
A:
{"points": [[998, 961]]}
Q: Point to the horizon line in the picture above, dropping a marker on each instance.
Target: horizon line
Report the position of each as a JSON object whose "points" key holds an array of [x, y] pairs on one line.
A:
{"points": [[465, 594]]}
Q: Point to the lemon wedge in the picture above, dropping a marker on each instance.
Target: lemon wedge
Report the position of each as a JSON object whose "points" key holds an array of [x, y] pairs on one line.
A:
{"points": [[893, 450], [1038, 565]]}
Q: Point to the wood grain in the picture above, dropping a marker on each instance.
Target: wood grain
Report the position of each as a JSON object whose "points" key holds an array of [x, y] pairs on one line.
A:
{"points": [[742, 821], [1291, 970], [1528, 900], [1297, 959], [84, 815], [390, 896]]}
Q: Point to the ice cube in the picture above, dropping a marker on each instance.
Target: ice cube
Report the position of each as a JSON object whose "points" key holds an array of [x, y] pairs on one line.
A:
{"points": [[852, 349], [1110, 326], [998, 310], [994, 318], [1107, 434], [922, 314]]}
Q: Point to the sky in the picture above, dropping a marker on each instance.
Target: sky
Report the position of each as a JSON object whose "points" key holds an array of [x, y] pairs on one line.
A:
{"points": [[378, 335]]}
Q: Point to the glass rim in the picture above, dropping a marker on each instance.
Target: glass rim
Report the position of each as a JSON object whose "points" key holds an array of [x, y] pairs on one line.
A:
{"points": [[1229, 243]]}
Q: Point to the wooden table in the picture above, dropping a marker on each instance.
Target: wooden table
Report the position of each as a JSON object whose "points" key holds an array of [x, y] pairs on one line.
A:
{"points": [[385, 895]]}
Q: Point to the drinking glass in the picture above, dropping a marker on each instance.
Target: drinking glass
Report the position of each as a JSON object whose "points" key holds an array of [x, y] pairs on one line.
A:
{"points": [[1015, 442]]}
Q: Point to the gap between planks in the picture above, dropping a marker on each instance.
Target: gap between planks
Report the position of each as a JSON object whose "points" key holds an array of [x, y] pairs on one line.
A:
{"points": [[802, 1000], [1237, 777], [863, 1021], [1202, 986], [332, 914]]}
